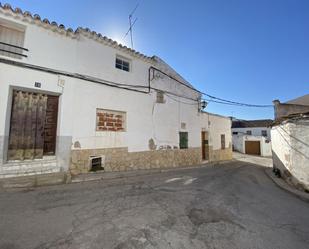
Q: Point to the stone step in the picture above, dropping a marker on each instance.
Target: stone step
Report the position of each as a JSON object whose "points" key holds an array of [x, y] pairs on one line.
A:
{"points": [[25, 168], [31, 181]]}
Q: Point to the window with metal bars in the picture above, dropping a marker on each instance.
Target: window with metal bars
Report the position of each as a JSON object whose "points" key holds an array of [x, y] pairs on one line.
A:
{"points": [[11, 41]]}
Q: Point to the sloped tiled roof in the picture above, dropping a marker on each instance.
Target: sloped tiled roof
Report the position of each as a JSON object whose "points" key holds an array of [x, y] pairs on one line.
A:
{"points": [[251, 123], [26, 16]]}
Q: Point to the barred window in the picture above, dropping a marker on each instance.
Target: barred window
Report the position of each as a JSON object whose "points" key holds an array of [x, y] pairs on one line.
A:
{"points": [[11, 41]]}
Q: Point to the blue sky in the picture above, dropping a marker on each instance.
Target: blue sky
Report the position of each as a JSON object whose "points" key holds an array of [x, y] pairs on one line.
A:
{"points": [[251, 51]]}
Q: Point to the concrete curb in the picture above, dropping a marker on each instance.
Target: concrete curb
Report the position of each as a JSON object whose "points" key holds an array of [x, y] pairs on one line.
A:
{"points": [[65, 178], [285, 186], [116, 175]]}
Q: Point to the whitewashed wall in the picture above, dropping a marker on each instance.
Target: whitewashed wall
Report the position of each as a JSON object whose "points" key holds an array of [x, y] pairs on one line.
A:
{"points": [[290, 144], [256, 131], [240, 140], [79, 99], [219, 125]]}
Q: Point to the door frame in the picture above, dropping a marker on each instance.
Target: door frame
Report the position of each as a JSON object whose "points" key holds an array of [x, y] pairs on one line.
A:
{"points": [[8, 114], [253, 141], [205, 147]]}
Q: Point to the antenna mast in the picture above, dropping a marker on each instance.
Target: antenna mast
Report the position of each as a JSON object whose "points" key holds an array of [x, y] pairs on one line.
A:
{"points": [[131, 24]]}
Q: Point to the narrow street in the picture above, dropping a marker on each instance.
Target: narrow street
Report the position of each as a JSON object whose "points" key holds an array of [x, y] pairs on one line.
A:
{"points": [[234, 205]]}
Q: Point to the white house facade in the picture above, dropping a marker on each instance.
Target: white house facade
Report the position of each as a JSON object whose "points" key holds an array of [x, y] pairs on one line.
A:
{"points": [[252, 127], [290, 141], [76, 101], [252, 136], [248, 144]]}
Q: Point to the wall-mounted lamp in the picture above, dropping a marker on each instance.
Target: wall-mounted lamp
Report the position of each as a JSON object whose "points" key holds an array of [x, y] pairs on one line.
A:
{"points": [[203, 104]]}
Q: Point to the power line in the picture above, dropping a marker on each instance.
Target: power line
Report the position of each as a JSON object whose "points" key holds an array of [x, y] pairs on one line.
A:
{"points": [[232, 103], [212, 98], [224, 101]]}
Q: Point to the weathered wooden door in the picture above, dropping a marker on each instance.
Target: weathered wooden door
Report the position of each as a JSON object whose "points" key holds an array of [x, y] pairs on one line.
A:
{"points": [[27, 126], [253, 147], [50, 128], [205, 145], [31, 118]]}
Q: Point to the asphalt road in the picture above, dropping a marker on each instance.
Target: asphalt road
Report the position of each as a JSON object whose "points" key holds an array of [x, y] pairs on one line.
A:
{"points": [[234, 205]]}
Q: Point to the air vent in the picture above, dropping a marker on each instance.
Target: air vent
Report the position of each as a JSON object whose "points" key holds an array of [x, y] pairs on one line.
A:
{"points": [[96, 163]]}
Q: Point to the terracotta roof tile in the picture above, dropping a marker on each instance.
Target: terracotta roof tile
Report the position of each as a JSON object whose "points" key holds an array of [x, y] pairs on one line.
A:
{"points": [[251, 123], [86, 31]]}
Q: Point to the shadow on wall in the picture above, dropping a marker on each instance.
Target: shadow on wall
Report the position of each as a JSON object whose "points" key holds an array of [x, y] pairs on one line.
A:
{"points": [[286, 174]]}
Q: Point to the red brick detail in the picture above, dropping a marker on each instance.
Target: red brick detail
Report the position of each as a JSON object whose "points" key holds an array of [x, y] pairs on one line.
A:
{"points": [[110, 120]]}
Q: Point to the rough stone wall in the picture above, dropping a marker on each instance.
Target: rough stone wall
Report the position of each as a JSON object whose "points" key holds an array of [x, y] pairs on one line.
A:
{"points": [[220, 155], [119, 159]]}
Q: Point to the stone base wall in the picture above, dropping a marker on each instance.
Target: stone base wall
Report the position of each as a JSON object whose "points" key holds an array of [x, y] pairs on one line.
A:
{"points": [[119, 159], [220, 155]]}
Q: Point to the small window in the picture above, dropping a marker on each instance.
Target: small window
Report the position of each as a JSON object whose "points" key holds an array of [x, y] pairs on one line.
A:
{"points": [[222, 141], [160, 97], [249, 132], [183, 140], [264, 133], [11, 42], [122, 64], [235, 132]]}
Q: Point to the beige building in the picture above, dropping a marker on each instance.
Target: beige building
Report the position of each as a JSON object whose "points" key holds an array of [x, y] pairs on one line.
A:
{"points": [[290, 140]]}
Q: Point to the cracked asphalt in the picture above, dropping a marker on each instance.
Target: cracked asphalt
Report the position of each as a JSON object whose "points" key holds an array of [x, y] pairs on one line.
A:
{"points": [[234, 205]]}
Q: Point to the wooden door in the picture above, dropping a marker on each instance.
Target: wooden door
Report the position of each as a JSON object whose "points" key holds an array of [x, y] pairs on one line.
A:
{"points": [[50, 128], [27, 126], [205, 145], [253, 147]]}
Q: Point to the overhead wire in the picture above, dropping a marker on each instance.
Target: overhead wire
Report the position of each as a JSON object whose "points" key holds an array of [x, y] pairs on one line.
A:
{"points": [[213, 98], [210, 98]]}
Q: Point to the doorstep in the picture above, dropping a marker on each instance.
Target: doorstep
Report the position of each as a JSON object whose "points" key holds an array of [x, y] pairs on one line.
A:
{"points": [[35, 180]]}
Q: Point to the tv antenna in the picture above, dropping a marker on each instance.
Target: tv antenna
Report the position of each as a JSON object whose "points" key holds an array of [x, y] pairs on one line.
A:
{"points": [[131, 25]]}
